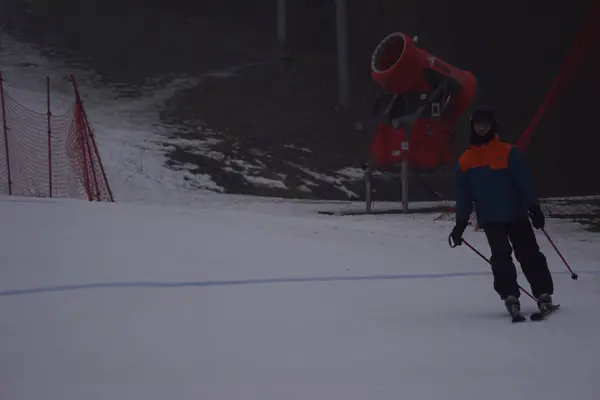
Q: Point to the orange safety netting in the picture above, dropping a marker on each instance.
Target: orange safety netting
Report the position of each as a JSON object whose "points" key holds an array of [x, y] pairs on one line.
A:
{"points": [[45, 155]]}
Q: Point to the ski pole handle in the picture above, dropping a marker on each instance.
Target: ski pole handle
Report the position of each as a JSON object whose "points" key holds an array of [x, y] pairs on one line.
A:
{"points": [[451, 242]]}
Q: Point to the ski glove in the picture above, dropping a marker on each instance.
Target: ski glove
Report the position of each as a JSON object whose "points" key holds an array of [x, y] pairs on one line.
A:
{"points": [[537, 217], [457, 232]]}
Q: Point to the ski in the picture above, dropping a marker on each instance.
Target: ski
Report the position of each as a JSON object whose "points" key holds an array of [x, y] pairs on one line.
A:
{"points": [[542, 315], [518, 318]]}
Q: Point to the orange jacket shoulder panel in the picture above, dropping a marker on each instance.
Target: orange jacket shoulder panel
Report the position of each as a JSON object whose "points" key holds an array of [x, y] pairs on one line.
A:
{"points": [[470, 159], [493, 155]]}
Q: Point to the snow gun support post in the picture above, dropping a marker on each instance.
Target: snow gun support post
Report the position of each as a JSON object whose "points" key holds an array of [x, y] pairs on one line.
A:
{"points": [[425, 97]]}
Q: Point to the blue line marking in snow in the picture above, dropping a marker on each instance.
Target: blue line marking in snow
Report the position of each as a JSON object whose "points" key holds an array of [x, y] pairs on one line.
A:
{"points": [[64, 288]]}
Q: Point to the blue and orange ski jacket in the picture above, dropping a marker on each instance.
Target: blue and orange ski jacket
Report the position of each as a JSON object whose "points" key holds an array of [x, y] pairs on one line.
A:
{"points": [[496, 180]]}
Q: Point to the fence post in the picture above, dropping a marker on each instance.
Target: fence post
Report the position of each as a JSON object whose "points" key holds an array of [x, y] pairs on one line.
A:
{"points": [[93, 141], [95, 188], [82, 143], [5, 129]]}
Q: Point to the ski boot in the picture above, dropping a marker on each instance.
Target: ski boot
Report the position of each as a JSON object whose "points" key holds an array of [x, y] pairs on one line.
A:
{"points": [[513, 306], [545, 306], [544, 303]]}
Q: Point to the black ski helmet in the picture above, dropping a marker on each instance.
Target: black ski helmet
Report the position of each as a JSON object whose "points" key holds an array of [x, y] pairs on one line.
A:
{"points": [[484, 113]]}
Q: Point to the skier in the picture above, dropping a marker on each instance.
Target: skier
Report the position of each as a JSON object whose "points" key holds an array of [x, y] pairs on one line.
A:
{"points": [[495, 178]]}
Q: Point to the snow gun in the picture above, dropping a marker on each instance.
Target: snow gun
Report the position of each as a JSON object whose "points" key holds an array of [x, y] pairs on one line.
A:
{"points": [[424, 98]]}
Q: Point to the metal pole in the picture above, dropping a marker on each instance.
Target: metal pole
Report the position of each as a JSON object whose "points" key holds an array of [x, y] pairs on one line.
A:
{"points": [[342, 52], [368, 177], [5, 130], [49, 122], [405, 184], [282, 21]]}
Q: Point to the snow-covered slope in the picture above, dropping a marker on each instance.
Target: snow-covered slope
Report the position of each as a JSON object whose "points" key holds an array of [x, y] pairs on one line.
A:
{"points": [[115, 301]]}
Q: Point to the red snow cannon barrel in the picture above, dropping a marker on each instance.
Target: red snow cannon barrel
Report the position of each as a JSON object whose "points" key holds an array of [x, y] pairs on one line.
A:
{"points": [[400, 67]]}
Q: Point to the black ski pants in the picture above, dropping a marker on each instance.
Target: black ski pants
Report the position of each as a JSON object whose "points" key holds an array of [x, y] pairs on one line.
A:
{"points": [[533, 262]]}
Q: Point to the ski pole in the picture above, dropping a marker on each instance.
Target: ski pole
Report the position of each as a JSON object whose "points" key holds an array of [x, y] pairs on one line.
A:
{"points": [[488, 261], [574, 276]]}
